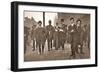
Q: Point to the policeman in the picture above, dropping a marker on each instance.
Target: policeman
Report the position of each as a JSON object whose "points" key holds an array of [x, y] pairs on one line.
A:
{"points": [[49, 35]]}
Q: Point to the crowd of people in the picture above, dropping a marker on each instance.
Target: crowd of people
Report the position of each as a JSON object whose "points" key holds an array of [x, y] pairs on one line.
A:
{"points": [[56, 36]]}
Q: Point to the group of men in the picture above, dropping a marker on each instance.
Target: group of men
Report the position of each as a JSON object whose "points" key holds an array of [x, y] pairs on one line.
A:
{"points": [[56, 36]]}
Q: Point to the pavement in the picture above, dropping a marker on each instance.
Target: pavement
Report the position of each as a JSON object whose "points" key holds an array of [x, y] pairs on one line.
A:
{"points": [[54, 54]]}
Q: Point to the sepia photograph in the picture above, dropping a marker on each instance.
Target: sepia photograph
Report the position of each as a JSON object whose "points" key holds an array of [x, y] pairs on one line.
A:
{"points": [[52, 36], [56, 36]]}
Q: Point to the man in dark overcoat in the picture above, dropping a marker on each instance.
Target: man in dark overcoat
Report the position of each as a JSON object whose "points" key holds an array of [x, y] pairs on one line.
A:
{"points": [[33, 36], [72, 34], [56, 37], [62, 34], [79, 37], [40, 37], [50, 32], [26, 34]]}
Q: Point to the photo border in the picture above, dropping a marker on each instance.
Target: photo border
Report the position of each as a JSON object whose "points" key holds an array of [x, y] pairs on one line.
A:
{"points": [[14, 35]]}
